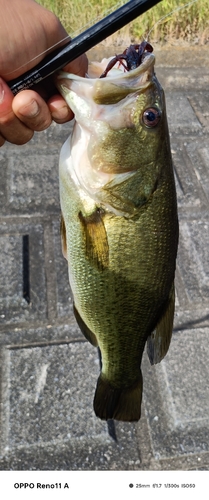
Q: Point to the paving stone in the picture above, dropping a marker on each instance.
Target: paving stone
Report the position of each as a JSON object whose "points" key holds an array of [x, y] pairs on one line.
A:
{"points": [[22, 277], [190, 318], [59, 134], [48, 397], [192, 279], [30, 173], [187, 401], [188, 182], [41, 335], [53, 384], [183, 78], [198, 152], [78, 454], [190, 462], [11, 287], [180, 114], [200, 105], [176, 396], [33, 180], [53, 137], [193, 261]]}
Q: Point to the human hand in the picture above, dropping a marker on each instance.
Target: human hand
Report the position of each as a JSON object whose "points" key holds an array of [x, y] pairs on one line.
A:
{"points": [[27, 30]]}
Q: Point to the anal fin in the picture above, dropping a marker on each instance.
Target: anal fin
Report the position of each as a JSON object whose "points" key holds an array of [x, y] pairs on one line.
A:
{"points": [[159, 340], [90, 336], [97, 249]]}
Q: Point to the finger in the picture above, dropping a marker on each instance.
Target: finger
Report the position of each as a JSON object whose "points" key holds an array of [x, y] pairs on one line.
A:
{"points": [[79, 66], [59, 109], [2, 140], [11, 128], [32, 110]]}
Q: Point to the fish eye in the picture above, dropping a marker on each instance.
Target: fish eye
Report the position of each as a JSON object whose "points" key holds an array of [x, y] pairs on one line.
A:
{"points": [[151, 117]]}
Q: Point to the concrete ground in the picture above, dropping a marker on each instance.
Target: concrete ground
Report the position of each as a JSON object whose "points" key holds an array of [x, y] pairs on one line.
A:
{"points": [[48, 370]]}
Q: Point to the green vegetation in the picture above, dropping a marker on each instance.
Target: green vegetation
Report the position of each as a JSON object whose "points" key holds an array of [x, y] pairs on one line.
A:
{"points": [[190, 23]]}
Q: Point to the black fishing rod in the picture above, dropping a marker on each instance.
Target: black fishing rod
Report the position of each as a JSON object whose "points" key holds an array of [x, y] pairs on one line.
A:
{"points": [[80, 44]]}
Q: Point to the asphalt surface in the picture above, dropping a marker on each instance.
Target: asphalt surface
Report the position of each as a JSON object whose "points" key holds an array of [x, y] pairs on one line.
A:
{"points": [[48, 370]]}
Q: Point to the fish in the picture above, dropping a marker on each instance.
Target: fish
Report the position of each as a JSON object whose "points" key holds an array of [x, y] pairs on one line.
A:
{"points": [[119, 222]]}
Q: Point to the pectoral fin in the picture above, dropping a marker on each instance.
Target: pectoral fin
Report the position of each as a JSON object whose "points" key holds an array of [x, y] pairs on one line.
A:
{"points": [[158, 342], [97, 249], [63, 237]]}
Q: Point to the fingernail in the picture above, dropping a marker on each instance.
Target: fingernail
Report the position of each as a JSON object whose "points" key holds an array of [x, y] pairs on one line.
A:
{"points": [[31, 110], [61, 113], [1, 91]]}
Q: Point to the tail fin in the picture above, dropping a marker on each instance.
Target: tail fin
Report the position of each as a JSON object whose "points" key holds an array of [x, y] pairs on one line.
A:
{"points": [[118, 403]]}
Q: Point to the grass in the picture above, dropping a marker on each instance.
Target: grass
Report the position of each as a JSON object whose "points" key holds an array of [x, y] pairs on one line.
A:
{"points": [[190, 23]]}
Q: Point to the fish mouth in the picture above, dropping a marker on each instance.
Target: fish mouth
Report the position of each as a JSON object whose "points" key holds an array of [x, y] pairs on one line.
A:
{"points": [[111, 89], [96, 68]]}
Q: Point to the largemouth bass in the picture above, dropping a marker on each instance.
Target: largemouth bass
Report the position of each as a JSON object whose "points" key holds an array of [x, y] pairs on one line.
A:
{"points": [[120, 224]]}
